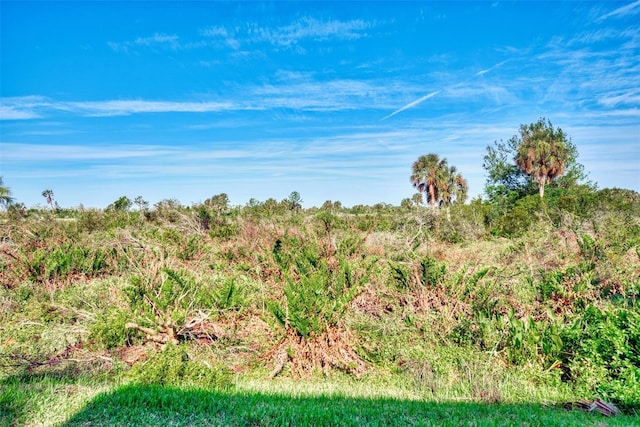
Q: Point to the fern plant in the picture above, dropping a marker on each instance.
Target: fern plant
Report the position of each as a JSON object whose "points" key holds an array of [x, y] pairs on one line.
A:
{"points": [[317, 292], [315, 295], [169, 307]]}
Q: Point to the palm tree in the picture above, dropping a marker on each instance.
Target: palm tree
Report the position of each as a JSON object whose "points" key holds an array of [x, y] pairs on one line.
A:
{"points": [[455, 186], [5, 195], [48, 194], [543, 152], [429, 176], [441, 183]]}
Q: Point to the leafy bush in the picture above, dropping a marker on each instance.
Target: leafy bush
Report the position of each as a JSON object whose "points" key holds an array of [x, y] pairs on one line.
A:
{"points": [[601, 351], [517, 220], [316, 294], [530, 340], [426, 272], [63, 262], [109, 329], [161, 305]]}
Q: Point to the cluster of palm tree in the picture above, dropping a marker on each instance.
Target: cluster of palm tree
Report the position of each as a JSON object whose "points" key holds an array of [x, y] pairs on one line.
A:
{"points": [[441, 183], [541, 153]]}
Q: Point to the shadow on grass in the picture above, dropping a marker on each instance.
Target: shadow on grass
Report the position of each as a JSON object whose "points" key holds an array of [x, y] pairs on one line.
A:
{"points": [[153, 405], [22, 390]]}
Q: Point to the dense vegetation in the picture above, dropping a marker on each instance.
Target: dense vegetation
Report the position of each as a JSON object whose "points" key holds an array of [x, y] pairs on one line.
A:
{"points": [[513, 300]]}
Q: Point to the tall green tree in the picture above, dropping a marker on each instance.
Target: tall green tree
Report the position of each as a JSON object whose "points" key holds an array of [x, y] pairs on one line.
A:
{"points": [[294, 201], [48, 195], [123, 204], [218, 203], [440, 183], [142, 204], [542, 153], [5, 195], [507, 182]]}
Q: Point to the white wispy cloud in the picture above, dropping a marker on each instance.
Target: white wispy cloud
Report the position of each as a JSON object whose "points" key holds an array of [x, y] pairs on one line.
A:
{"points": [[18, 152], [626, 10], [12, 113], [157, 40], [289, 35], [125, 107], [305, 28], [35, 107], [22, 107], [314, 29], [629, 98], [601, 34], [289, 90]]}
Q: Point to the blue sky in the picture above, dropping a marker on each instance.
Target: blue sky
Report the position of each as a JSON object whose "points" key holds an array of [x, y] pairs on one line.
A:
{"points": [[334, 100]]}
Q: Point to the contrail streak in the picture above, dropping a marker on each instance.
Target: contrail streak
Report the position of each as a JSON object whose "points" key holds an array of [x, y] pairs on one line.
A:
{"points": [[480, 73], [432, 94], [412, 104]]}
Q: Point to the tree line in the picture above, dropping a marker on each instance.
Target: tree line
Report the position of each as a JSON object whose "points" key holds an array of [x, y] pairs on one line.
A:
{"points": [[529, 161], [538, 156]]}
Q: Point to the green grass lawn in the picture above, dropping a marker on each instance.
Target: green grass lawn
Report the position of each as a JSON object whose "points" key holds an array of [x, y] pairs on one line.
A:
{"points": [[48, 401]]}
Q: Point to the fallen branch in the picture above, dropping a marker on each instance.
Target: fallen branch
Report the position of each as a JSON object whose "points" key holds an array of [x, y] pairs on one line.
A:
{"points": [[168, 332], [598, 405]]}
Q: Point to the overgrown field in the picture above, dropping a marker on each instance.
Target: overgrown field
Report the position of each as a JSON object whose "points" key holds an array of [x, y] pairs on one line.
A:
{"points": [[269, 314]]}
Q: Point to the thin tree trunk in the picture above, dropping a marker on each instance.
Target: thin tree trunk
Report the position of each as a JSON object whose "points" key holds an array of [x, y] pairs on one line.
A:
{"points": [[541, 187]]}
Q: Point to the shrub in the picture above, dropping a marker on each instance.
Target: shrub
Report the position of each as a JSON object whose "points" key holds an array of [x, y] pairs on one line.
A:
{"points": [[109, 329], [601, 350], [517, 220]]}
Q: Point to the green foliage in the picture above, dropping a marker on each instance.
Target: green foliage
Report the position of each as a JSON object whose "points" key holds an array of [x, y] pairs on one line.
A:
{"points": [[463, 222], [109, 328], [401, 275], [589, 249], [123, 204], [542, 152], [5, 195], [530, 340], [559, 312], [174, 366], [506, 182], [160, 301], [294, 201], [517, 220], [230, 295], [327, 220], [601, 351], [550, 285], [316, 294], [65, 262], [90, 220], [440, 183], [619, 200], [432, 272], [167, 210], [15, 211]]}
